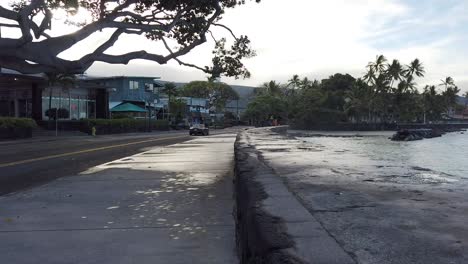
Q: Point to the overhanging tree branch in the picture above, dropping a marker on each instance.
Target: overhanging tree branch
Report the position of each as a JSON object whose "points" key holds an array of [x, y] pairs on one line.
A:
{"points": [[180, 61], [227, 28], [184, 22]]}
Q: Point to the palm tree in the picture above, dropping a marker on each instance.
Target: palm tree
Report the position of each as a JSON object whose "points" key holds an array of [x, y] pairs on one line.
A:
{"points": [[378, 79], [379, 65], [382, 96], [360, 100], [447, 82], [272, 88], [450, 97], [394, 72], [55, 79], [369, 77], [431, 103], [381, 83], [306, 83], [170, 89], [63, 79], [295, 82], [466, 104], [415, 68], [450, 93], [407, 85], [375, 69]]}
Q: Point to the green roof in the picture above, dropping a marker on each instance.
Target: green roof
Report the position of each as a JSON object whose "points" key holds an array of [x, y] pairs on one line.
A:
{"points": [[127, 107]]}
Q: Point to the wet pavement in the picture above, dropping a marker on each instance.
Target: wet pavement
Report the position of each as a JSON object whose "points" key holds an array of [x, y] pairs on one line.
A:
{"points": [[166, 205], [382, 203]]}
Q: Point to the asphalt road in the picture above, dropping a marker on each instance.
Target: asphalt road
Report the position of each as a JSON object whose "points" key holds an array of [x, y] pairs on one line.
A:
{"points": [[28, 163]]}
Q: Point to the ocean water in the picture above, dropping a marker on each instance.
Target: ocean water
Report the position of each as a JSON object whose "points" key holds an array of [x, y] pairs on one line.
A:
{"points": [[383, 201], [374, 157]]}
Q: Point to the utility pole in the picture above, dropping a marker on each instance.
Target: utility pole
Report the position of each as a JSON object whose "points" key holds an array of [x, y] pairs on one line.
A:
{"points": [[56, 112], [238, 117], [424, 114]]}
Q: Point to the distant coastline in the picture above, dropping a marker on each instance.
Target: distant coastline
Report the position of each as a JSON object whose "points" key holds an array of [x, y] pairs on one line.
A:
{"points": [[447, 127]]}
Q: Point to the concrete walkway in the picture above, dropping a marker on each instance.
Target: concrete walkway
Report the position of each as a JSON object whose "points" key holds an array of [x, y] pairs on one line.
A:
{"points": [[167, 205]]}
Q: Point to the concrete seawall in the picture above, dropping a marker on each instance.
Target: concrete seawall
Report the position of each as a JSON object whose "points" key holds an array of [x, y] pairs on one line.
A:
{"points": [[272, 225]]}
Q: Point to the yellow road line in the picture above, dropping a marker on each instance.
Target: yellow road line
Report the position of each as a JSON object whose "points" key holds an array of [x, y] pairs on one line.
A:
{"points": [[83, 151]]}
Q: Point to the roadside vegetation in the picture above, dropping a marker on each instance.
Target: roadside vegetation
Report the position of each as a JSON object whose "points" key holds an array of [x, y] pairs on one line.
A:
{"points": [[217, 93], [12, 128], [13, 122], [123, 125], [387, 93]]}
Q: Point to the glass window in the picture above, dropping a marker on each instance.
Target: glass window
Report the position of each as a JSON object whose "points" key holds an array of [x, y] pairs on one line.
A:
{"points": [[74, 108], [156, 91], [53, 102], [133, 85], [45, 106], [64, 108], [149, 87], [83, 108], [91, 109]]}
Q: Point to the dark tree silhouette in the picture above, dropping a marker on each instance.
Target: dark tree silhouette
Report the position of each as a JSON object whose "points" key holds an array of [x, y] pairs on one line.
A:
{"points": [[180, 25]]}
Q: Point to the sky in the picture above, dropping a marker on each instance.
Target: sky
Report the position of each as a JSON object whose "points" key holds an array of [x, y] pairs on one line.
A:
{"points": [[316, 39]]}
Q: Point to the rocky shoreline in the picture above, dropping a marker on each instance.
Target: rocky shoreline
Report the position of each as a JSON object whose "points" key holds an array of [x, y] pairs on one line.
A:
{"points": [[419, 134], [377, 126]]}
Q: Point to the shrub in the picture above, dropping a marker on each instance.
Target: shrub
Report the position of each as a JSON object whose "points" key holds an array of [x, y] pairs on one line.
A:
{"points": [[61, 112], [120, 116], [12, 122], [160, 124], [124, 125]]}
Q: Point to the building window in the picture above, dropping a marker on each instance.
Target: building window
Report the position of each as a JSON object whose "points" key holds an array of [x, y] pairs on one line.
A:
{"points": [[73, 105], [133, 85], [149, 87]]}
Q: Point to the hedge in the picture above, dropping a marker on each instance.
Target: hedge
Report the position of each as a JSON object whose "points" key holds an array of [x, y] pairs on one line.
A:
{"points": [[12, 128], [124, 125], [12, 122]]}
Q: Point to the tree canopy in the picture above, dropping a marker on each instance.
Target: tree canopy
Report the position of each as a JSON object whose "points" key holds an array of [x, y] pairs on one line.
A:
{"points": [[266, 106], [180, 25], [387, 93], [217, 93], [198, 89], [170, 89]]}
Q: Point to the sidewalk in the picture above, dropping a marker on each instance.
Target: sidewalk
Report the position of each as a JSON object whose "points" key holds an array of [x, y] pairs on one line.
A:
{"points": [[167, 205]]}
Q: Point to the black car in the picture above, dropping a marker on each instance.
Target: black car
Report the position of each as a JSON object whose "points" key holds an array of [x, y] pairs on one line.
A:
{"points": [[199, 129]]}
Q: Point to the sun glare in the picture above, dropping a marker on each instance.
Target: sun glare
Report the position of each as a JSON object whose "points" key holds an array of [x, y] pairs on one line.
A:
{"points": [[82, 16]]}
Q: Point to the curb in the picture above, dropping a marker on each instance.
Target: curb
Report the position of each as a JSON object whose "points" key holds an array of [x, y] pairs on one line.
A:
{"points": [[272, 226]]}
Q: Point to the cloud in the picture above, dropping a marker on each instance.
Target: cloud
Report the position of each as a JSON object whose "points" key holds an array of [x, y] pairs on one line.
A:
{"points": [[300, 37], [319, 38]]}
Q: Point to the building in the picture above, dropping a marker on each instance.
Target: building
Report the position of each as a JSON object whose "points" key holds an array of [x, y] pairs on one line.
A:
{"points": [[237, 107], [198, 111], [140, 91], [21, 95], [92, 97], [33, 96], [128, 110]]}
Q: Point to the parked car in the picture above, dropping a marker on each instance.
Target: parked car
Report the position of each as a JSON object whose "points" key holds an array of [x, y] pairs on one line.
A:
{"points": [[199, 129]]}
